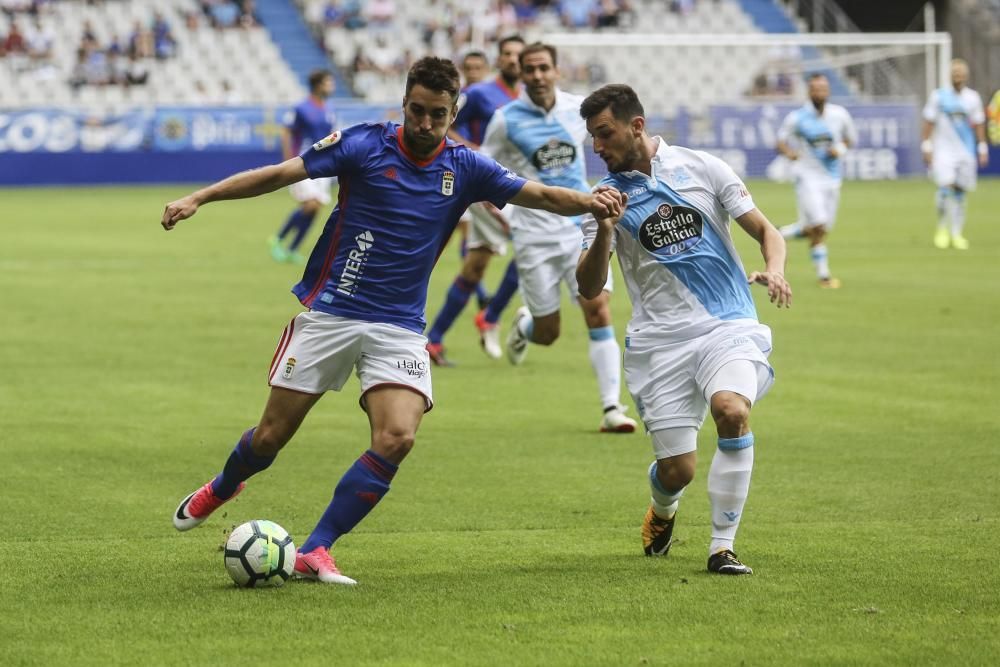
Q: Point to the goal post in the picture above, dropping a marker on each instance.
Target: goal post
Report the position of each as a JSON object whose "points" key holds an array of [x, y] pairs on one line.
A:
{"points": [[727, 92]]}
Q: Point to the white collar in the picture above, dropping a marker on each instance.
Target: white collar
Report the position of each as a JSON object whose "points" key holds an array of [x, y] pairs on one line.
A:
{"points": [[531, 103]]}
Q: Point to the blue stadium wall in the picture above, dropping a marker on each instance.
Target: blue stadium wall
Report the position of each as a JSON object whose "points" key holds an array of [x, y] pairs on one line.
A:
{"points": [[195, 145]]}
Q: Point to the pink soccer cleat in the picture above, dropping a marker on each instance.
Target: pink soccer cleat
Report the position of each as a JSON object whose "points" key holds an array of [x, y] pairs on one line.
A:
{"points": [[197, 507], [318, 565]]}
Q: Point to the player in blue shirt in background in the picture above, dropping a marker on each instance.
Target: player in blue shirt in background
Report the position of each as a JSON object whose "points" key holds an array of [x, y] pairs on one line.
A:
{"points": [[402, 192], [475, 67], [487, 229], [308, 122]]}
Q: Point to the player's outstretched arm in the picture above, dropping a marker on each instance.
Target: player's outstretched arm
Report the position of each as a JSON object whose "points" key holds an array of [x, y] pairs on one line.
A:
{"points": [[564, 201], [592, 269], [238, 186], [772, 247]]}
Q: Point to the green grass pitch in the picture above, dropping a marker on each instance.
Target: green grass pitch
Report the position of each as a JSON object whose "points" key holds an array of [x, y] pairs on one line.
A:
{"points": [[132, 360]]}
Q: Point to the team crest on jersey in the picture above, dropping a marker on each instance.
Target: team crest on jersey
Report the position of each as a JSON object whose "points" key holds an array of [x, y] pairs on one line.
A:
{"points": [[448, 183], [327, 141], [289, 368], [671, 230]]}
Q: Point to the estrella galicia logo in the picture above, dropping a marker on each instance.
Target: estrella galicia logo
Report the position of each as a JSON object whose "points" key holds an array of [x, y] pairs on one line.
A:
{"points": [[554, 155], [671, 230], [413, 367], [354, 267]]}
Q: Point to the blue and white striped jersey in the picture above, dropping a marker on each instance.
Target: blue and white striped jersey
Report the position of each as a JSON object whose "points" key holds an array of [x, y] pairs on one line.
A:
{"points": [[955, 115], [674, 245], [545, 146], [813, 134]]}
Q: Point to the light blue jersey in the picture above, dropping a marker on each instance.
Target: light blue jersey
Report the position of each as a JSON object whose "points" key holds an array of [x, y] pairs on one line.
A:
{"points": [[955, 115], [814, 134], [682, 271], [540, 145]]}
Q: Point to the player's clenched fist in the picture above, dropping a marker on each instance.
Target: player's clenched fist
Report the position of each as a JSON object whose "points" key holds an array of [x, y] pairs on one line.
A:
{"points": [[176, 211], [607, 202]]}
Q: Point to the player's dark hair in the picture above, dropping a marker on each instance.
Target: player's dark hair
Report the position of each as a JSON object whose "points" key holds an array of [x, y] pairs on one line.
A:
{"points": [[538, 47], [317, 76], [509, 38], [435, 74], [474, 54], [815, 75], [621, 99]]}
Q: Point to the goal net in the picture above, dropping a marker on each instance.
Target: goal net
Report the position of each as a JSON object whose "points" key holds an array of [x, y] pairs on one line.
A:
{"points": [[728, 93]]}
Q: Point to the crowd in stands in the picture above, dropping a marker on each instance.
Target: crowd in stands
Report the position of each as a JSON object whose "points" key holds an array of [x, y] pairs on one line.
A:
{"points": [[447, 28], [27, 46]]}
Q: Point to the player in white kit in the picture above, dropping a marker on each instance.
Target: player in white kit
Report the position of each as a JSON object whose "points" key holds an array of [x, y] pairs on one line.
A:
{"points": [[954, 135], [694, 342], [816, 136], [540, 137]]}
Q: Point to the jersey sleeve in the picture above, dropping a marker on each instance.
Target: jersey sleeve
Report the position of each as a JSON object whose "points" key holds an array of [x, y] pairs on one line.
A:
{"points": [[467, 111], [787, 129], [495, 139], [930, 109], [729, 189], [588, 224], [589, 229], [978, 114], [492, 181], [339, 153]]}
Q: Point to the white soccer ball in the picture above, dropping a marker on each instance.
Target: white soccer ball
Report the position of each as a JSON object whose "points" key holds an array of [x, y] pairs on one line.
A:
{"points": [[259, 553]]}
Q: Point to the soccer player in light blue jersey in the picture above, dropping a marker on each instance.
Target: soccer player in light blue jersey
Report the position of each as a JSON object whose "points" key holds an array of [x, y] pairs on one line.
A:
{"points": [[540, 136], [954, 136], [815, 137], [487, 234], [308, 122], [694, 343], [402, 192]]}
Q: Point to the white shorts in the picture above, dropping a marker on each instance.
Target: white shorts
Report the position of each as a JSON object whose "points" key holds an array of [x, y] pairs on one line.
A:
{"points": [[485, 231], [542, 265], [317, 352], [954, 170], [818, 202], [672, 382], [312, 188]]}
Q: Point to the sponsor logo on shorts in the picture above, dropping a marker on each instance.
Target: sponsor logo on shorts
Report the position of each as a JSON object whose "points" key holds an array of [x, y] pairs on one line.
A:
{"points": [[554, 155], [740, 340], [413, 367], [671, 230], [448, 183], [289, 368], [354, 267]]}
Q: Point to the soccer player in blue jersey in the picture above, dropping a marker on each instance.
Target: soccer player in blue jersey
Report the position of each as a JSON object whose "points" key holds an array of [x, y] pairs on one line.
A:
{"points": [[540, 136], [487, 228], [475, 67], [307, 123], [402, 191], [694, 343]]}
